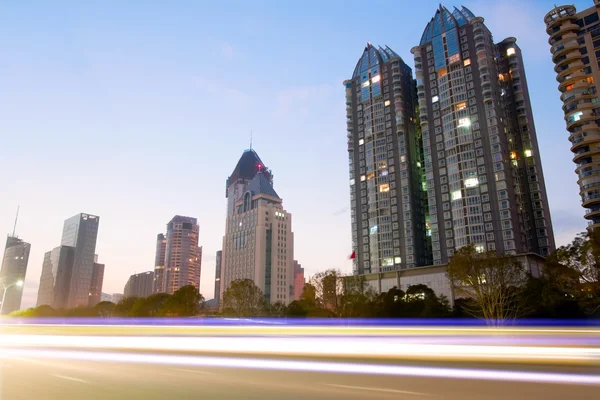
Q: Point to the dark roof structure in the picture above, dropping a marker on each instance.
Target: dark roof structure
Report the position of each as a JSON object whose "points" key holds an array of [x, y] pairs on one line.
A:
{"points": [[372, 57], [260, 184], [247, 168], [444, 20]]}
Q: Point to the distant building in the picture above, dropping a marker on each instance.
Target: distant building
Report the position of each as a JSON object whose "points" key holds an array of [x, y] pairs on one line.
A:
{"points": [[258, 242], [14, 268], [299, 280], [105, 297], [183, 257], [218, 277], [159, 263], [117, 297], [139, 285], [96, 285], [67, 271]]}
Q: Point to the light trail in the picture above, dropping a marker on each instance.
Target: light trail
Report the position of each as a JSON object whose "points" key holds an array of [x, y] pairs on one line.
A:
{"points": [[382, 348], [307, 366]]}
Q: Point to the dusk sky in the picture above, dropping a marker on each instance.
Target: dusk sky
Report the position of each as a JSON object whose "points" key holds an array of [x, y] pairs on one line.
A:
{"points": [[139, 110]]}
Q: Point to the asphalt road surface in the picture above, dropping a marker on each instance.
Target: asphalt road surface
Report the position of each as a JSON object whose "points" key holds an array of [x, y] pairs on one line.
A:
{"points": [[31, 377]]}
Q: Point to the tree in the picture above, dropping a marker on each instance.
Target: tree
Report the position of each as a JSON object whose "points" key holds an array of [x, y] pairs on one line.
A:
{"points": [[277, 310], [390, 304], [422, 302], [104, 309], [185, 302], [329, 288], [243, 299], [493, 281], [43, 311], [574, 270], [125, 306], [357, 298], [150, 306]]}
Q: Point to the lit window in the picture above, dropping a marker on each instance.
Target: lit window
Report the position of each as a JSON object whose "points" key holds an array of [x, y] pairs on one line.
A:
{"points": [[362, 178], [375, 79], [383, 173], [453, 59], [456, 195], [387, 103], [513, 155], [467, 62], [397, 260], [471, 182], [374, 229], [464, 122], [590, 79], [387, 262], [442, 72], [352, 182], [384, 188], [575, 116], [528, 153], [361, 142], [365, 84], [402, 158], [434, 99], [371, 175], [510, 51], [461, 106], [479, 248]]}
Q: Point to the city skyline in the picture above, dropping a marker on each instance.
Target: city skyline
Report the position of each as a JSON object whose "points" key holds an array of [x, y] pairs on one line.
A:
{"points": [[313, 100]]}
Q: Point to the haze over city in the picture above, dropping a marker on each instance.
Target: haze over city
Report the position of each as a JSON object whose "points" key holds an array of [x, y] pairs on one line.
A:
{"points": [[136, 113]]}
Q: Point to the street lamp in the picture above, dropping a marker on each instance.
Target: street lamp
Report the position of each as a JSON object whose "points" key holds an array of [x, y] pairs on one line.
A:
{"points": [[18, 283]]}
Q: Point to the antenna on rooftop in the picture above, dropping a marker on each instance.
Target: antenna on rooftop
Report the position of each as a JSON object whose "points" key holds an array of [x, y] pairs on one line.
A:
{"points": [[16, 219]]}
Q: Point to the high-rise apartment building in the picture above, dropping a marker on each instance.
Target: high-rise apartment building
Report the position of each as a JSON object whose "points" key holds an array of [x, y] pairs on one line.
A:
{"points": [[183, 257], [218, 277], [68, 270], [96, 284], [299, 280], [258, 242], [14, 268], [139, 285], [388, 205], [575, 48], [483, 171], [159, 262]]}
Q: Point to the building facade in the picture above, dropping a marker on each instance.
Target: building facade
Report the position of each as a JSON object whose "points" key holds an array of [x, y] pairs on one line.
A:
{"points": [[139, 285], [56, 277], [14, 269], [258, 242], [299, 280], [96, 284], [483, 172], [183, 257], [388, 209], [81, 233], [575, 47], [218, 277], [159, 262]]}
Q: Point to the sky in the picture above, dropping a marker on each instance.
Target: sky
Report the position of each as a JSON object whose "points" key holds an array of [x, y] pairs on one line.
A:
{"points": [[137, 111]]}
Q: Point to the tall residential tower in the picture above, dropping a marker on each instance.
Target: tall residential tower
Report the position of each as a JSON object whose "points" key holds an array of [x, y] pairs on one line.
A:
{"points": [[484, 178], [575, 48], [159, 262], [183, 257], [388, 208]]}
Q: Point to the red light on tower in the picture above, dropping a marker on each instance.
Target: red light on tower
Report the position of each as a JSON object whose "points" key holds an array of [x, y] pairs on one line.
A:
{"points": [[259, 166]]}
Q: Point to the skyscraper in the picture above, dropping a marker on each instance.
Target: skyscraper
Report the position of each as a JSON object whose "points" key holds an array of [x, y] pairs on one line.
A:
{"points": [[484, 178], [159, 262], [258, 243], [574, 41], [388, 208], [56, 277], [14, 268], [183, 257], [67, 271], [81, 232], [139, 285], [96, 284], [218, 277]]}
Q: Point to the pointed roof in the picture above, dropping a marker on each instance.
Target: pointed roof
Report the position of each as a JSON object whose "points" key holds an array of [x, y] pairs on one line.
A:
{"points": [[372, 57], [444, 20], [248, 166], [260, 184]]}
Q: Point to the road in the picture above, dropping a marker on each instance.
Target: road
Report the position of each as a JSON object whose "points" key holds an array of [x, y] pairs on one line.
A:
{"points": [[31, 378], [173, 362]]}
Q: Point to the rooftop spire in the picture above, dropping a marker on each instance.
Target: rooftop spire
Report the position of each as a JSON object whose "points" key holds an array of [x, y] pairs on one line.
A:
{"points": [[16, 219]]}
